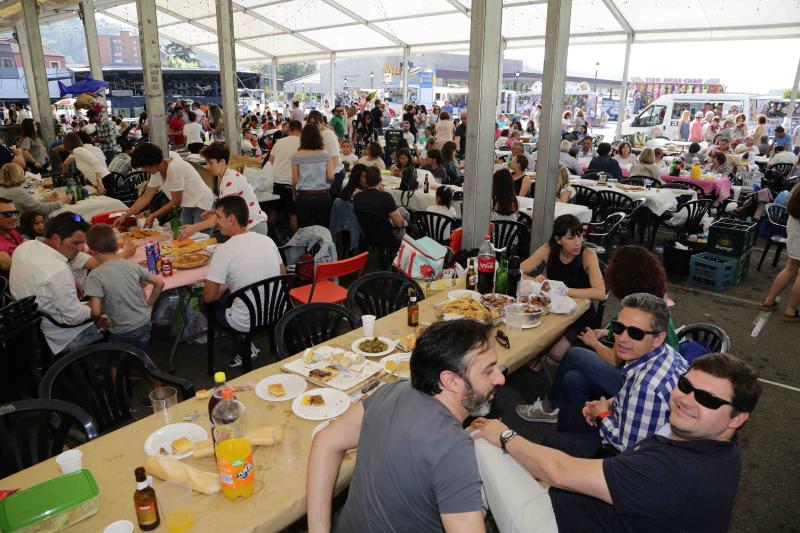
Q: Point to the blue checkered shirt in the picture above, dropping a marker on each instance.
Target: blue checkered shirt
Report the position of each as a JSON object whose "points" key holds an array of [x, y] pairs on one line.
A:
{"points": [[642, 404]]}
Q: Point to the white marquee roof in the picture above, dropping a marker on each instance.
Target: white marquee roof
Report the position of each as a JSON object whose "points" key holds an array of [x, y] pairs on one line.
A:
{"points": [[301, 30]]}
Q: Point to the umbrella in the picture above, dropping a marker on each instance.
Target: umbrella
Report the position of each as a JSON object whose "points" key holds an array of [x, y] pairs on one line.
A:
{"points": [[65, 102]]}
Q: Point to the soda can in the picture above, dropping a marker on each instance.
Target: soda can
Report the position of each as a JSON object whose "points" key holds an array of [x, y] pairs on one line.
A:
{"points": [[166, 267], [157, 252], [152, 260]]}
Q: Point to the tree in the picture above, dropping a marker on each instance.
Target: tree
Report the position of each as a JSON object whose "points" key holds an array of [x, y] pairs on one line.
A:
{"points": [[179, 56], [287, 71], [787, 93]]}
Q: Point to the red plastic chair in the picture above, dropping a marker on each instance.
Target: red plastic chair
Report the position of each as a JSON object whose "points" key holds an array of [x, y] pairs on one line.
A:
{"points": [[105, 218], [455, 240], [322, 290]]}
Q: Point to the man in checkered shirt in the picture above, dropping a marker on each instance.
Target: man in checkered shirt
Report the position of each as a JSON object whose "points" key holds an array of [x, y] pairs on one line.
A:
{"points": [[105, 136], [650, 371]]}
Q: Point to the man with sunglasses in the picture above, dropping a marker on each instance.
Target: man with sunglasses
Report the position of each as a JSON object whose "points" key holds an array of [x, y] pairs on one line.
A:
{"points": [[684, 478], [10, 238], [640, 390]]}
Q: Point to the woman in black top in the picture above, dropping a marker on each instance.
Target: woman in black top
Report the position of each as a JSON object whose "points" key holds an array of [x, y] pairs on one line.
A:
{"points": [[566, 260], [450, 165], [365, 133], [355, 183]]}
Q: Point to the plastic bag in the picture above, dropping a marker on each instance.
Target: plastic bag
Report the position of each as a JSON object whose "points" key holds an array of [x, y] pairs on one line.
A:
{"points": [[165, 308], [196, 322]]}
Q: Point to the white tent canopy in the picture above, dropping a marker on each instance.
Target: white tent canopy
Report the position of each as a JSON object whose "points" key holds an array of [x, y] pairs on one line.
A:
{"points": [[303, 30]]}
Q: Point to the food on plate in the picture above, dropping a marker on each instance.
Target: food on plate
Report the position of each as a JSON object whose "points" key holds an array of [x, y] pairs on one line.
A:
{"points": [[190, 261], [409, 341], [540, 300], [196, 246], [315, 400], [546, 286], [138, 234], [373, 345], [203, 394], [183, 242], [323, 353], [404, 365], [276, 389], [163, 451], [496, 300], [349, 361], [532, 309], [166, 469], [182, 445], [468, 307], [323, 374], [391, 366]]}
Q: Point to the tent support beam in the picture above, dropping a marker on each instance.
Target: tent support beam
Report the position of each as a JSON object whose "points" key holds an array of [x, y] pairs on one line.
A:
{"points": [[86, 12], [623, 89], [30, 20], [27, 68], [227, 72], [792, 99], [555, 77], [406, 54], [273, 79], [151, 71], [332, 82]]}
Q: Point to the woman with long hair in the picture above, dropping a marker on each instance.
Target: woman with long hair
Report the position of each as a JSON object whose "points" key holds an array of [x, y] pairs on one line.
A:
{"points": [[564, 191], [215, 121], [31, 224], [445, 129], [522, 182], [684, 125], [355, 183], [450, 165], [790, 271], [312, 175], [504, 197], [365, 133], [33, 150], [373, 156]]}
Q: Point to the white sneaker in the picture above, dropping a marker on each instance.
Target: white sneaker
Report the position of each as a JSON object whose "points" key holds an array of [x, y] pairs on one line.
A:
{"points": [[535, 413], [237, 359]]}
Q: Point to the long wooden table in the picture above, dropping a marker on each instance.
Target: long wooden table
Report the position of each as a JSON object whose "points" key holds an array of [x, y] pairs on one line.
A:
{"points": [[280, 497]]}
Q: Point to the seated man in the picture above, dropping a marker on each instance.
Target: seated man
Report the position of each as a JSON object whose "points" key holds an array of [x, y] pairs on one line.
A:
{"points": [[604, 163], [640, 390], [781, 139], [433, 164], [682, 479], [375, 201], [586, 148], [416, 468], [245, 258], [40, 269], [782, 155]]}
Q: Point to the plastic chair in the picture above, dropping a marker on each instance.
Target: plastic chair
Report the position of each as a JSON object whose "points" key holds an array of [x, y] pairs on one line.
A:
{"points": [[455, 240], [311, 324], [266, 301], [99, 379], [19, 327], [601, 235], [323, 290], [381, 293], [112, 182], [701, 192], [778, 218], [34, 430], [379, 236], [613, 202], [434, 225], [779, 171], [506, 233], [128, 189], [713, 336], [696, 210]]}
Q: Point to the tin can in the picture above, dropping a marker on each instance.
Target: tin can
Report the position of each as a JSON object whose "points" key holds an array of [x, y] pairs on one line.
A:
{"points": [[152, 260], [166, 267]]}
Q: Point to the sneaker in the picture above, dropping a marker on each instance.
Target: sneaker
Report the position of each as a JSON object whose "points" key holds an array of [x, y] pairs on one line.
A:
{"points": [[535, 413], [237, 359]]}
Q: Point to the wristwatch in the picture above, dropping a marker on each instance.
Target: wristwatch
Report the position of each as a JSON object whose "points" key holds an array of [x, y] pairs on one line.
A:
{"points": [[506, 436]]}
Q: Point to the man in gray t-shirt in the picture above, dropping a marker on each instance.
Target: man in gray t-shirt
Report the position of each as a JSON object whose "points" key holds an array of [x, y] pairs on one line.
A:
{"points": [[416, 468]]}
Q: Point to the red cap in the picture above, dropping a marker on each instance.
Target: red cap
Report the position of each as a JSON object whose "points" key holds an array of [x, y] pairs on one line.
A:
{"points": [[227, 394]]}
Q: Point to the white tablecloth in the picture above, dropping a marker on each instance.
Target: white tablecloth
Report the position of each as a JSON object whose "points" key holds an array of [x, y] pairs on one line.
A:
{"points": [[657, 200], [94, 205]]}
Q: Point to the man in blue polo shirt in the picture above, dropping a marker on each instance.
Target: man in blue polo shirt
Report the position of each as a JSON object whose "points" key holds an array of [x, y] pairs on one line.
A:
{"points": [[781, 139], [684, 478]]}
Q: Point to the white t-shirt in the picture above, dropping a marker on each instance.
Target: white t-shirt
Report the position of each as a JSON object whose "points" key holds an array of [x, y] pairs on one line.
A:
{"points": [[283, 150], [22, 114], [192, 132], [331, 142], [350, 158], [234, 183], [242, 260], [91, 161], [181, 176], [408, 136]]}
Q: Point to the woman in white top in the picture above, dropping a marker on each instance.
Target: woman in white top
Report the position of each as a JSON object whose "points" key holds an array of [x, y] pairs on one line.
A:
{"points": [[625, 154], [444, 129], [566, 122], [647, 166], [89, 159], [790, 272], [177, 179], [192, 130], [444, 205], [349, 159], [372, 156], [564, 191]]}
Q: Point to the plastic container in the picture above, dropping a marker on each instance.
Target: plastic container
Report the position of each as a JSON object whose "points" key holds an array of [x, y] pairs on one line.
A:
{"points": [[677, 261], [712, 272], [51, 505], [731, 238]]}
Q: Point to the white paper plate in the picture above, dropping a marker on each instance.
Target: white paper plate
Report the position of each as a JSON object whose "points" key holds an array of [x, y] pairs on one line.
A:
{"points": [[292, 384], [455, 295], [397, 357], [389, 342], [163, 438], [336, 403]]}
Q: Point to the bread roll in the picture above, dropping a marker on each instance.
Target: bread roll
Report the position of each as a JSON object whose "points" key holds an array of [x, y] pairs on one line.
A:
{"points": [[265, 436], [167, 469]]}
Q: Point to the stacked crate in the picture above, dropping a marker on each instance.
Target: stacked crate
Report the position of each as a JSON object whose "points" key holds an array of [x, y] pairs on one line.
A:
{"points": [[727, 257]]}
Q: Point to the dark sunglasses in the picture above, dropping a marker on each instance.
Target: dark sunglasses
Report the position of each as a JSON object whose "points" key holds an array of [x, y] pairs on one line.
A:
{"points": [[634, 333], [704, 398], [10, 214]]}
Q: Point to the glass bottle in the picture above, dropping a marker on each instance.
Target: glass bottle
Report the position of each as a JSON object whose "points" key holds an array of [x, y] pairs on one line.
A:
{"points": [[501, 276], [175, 222], [413, 309], [514, 275], [471, 275], [145, 503]]}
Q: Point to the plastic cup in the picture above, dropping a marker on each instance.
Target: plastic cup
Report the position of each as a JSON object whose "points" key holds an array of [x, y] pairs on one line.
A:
{"points": [[175, 505], [120, 526], [368, 322], [70, 461], [515, 317], [288, 453], [164, 400]]}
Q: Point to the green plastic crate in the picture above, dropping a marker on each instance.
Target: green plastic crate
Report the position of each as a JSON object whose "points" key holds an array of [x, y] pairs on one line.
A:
{"points": [[730, 238]]}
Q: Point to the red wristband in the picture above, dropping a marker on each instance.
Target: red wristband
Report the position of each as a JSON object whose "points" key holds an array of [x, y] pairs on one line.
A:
{"points": [[604, 414]]}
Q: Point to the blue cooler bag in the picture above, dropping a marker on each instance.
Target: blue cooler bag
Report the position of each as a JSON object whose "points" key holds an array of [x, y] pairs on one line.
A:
{"points": [[420, 258]]}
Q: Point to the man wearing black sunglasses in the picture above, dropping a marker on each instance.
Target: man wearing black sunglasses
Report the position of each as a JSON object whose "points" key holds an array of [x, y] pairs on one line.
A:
{"points": [[684, 478]]}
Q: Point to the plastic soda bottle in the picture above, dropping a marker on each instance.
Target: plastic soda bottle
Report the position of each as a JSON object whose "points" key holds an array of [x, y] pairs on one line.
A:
{"points": [[234, 454]]}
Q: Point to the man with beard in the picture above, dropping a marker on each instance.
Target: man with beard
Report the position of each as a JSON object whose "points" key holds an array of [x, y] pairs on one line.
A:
{"points": [[684, 478], [416, 468]]}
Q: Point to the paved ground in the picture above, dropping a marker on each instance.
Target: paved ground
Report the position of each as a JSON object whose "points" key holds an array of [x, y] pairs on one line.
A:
{"points": [[770, 486]]}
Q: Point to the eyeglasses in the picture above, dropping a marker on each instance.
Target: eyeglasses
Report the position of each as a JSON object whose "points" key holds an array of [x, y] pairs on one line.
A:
{"points": [[10, 214], [704, 398], [634, 333]]}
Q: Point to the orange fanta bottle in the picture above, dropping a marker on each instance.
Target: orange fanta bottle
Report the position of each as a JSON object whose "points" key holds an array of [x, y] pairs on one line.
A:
{"points": [[237, 473]]}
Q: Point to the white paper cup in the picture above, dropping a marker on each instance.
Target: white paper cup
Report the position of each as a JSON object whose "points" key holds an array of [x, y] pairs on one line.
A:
{"points": [[120, 526], [69, 461], [368, 322]]}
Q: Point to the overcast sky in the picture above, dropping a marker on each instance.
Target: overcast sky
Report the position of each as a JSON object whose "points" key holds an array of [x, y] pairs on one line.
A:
{"points": [[742, 66]]}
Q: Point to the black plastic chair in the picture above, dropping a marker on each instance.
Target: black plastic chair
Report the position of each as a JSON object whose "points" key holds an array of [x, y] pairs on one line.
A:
{"points": [[701, 193], [587, 197], [128, 189], [34, 430], [639, 181], [591, 175], [47, 354], [311, 324], [381, 293], [600, 236], [778, 218], [266, 301], [713, 336], [434, 225], [507, 234], [379, 236], [100, 378], [3, 290], [779, 171], [613, 202], [19, 327], [696, 210], [112, 182]]}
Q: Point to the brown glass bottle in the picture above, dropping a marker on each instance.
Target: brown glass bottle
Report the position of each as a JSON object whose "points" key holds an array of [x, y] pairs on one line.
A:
{"points": [[144, 501], [413, 309]]}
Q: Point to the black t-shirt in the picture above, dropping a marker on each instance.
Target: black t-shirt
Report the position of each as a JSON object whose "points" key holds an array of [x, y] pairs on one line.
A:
{"points": [[375, 202], [659, 485], [461, 131]]}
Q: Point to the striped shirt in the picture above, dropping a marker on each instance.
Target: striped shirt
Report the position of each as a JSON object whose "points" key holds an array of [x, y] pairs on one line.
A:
{"points": [[642, 404]]}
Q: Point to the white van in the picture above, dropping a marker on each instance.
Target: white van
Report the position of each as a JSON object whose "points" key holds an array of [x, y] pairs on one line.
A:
{"points": [[662, 116]]}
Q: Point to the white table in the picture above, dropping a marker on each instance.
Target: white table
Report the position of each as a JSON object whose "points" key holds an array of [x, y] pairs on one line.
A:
{"points": [[94, 205], [657, 200]]}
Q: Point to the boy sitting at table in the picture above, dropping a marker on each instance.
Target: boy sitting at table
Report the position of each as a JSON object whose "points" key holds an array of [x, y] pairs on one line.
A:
{"points": [[115, 290]]}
